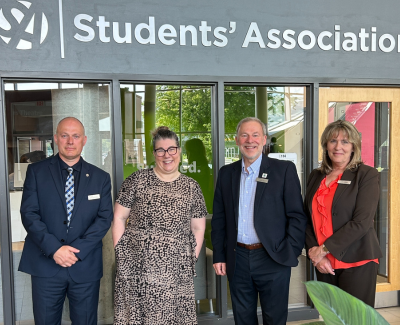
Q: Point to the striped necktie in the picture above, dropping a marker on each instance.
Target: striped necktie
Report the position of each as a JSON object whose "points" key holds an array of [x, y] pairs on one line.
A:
{"points": [[69, 194]]}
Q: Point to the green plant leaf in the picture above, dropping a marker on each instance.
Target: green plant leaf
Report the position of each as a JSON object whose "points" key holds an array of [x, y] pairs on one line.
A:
{"points": [[340, 308]]}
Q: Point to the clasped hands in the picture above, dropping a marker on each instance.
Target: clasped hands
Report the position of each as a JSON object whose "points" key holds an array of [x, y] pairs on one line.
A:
{"points": [[320, 261], [65, 256]]}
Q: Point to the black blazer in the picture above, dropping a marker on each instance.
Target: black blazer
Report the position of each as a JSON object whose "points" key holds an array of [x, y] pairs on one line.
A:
{"points": [[44, 216], [353, 210], [279, 219]]}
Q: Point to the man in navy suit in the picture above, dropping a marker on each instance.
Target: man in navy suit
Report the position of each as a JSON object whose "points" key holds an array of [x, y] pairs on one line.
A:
{"points": [[258, 228], [63, 251]]}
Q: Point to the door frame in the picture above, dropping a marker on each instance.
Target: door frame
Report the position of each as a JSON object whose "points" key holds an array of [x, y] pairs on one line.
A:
{"points": [[370, 94]]}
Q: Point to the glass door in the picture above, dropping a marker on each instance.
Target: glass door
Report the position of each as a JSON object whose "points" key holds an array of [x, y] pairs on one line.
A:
{"points": [[375, 113]]}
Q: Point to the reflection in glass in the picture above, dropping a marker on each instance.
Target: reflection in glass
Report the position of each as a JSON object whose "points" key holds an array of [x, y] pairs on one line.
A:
{"points": [[372, 120], [33, 111], [185, 109], [282, 110]]}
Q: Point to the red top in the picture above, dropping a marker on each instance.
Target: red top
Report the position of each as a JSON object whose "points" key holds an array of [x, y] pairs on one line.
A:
{"points": [[322, 220]]}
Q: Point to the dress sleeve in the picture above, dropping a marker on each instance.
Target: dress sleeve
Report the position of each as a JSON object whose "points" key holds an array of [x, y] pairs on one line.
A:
{"points": [[199, 209], [127, 193]]}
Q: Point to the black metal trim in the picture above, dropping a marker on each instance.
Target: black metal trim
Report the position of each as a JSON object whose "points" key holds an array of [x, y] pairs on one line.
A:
{"points": [[7, 277]]}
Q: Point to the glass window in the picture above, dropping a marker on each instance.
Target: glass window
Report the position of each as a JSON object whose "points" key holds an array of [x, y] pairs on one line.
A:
{"points": [[33, 111], [282, 110], [186, 110]]}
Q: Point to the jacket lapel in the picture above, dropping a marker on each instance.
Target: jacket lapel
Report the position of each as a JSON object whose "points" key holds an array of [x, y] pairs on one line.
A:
{"points": [[236, 188], [57, 178], [348, 175], [261, 186], [83, 184]]}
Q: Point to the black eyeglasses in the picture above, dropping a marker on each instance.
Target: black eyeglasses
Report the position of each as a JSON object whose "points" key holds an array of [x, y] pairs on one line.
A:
{"points": [[160, 152]]}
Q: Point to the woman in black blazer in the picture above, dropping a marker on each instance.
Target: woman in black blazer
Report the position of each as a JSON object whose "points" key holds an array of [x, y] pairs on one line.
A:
{"points": [[341, 201]]}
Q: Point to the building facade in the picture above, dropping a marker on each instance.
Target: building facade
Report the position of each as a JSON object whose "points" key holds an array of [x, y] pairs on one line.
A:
{"points": [[126, 67]]}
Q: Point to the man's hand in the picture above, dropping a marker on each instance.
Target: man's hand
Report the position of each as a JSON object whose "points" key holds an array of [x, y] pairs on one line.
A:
{"points": [[65, 256], [325, 267], [316, 254], [220, 268]]}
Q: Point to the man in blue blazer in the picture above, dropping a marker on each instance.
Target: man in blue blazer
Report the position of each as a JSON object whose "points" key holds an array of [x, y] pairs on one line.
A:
{"points": [[63, 250], [258, 228]]}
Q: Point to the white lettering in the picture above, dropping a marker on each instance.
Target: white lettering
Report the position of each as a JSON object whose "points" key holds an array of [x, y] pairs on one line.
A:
{"points": [[162, 34], [300, 40], [351, 43], [89, 30], [273, 36], [253, 39], [320, 41], [151, 39], [128, 33], [103, 24], [182, 32], [287, 37], [373, 39], [219, 34], [391, 40], [337, 38], [204, 29], [363, 36]]}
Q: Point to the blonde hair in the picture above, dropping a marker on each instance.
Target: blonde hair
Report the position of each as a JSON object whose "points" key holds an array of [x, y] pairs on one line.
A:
{"points": [[331, 131]]}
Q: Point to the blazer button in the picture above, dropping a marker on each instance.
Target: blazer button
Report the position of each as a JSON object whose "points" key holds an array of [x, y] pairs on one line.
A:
{"points": [[65, 222], [62, 240], [234, 249]]}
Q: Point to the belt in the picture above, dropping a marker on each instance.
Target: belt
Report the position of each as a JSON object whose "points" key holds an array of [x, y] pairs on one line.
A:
{"points": [[250, 247]]}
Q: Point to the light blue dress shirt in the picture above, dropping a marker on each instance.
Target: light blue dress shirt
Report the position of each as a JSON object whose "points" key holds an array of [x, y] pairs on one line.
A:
{"points": [[248, 184]]}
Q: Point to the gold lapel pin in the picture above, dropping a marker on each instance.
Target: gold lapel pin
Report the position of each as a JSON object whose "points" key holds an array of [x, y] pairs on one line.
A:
{"points": [[264, 175], [87, 175]]}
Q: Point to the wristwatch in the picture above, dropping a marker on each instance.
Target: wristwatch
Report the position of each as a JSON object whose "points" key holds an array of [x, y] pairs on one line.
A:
{"points": [[325, 249]]}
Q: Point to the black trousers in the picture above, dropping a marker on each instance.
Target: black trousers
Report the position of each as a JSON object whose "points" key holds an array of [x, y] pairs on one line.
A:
{"points": [[258, 275], [359, 281], [48, 295]]}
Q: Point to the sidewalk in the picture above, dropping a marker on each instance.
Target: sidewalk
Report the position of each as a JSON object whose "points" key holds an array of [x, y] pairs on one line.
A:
{"points": [[392, 315]]}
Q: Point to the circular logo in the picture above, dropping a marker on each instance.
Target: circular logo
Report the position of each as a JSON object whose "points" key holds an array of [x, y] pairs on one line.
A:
{"points": [[23, 35]]}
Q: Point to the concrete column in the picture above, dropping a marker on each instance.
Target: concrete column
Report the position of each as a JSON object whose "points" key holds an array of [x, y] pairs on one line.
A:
{"points": [[262, 104], [90, 104]]}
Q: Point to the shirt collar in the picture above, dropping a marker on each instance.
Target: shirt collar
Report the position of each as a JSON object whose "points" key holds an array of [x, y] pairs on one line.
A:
{"points": [[254, 167], [76, 167]]}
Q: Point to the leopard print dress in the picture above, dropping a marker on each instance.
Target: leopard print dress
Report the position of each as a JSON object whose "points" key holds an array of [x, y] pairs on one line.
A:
{"points": [[155, 256]]}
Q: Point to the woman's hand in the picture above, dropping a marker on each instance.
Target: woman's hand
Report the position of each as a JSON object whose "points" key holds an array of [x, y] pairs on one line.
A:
{"points": [[316, 254], [325, 266]]}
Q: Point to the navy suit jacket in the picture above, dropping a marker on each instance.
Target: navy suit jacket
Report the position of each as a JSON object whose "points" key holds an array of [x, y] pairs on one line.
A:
{"points": [[44, 216], [279, 219]]}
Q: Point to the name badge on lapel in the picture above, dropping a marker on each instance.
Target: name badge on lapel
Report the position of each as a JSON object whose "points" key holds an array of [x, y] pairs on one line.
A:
{"points": [[344, 182], [94, 197], [262, 180]]}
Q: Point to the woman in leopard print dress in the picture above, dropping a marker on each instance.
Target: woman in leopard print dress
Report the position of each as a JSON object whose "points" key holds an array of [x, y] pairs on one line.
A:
{"points": [[157, 249]]}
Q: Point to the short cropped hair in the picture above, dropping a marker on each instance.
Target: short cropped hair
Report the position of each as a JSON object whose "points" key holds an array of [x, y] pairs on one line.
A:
{"points": [[163, 132], [251, 119]]}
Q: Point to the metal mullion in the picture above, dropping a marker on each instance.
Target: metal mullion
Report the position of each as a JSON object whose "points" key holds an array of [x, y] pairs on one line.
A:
{"points": [[5, 225], [217, 133], [311, 119], [117, 148]]}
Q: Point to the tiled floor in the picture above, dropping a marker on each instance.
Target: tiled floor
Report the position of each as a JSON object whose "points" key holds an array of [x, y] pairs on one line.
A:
{"points": [[392, 315]]}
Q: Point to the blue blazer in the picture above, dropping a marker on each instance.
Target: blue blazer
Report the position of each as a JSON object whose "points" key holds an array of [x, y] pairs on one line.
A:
{"points": [[44, 216], [279, 219]]}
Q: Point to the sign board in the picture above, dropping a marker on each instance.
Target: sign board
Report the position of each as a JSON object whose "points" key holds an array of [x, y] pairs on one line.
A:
{"points": [[291, 156]]}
